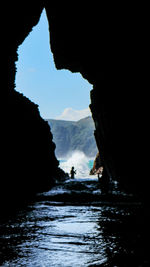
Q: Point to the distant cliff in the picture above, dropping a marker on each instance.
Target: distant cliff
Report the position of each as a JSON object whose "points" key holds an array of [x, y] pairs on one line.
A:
{"points": [[70, 136]]}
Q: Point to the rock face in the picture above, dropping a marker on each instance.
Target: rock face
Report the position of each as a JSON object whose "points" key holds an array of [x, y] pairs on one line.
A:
{"points": [[31, 163], [83, 39], [97, 164], [70, 136]]}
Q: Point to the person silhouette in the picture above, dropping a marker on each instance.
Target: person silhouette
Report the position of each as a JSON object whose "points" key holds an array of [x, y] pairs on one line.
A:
{"points": [[72, 172]]}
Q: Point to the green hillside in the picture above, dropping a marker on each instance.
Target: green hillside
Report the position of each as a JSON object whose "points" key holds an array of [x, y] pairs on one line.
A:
{"points": [[70, 136]]}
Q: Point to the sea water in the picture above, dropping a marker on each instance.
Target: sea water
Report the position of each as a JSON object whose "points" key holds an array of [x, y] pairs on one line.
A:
{"points": [[65, 233], [72, 225], [81, 163]]}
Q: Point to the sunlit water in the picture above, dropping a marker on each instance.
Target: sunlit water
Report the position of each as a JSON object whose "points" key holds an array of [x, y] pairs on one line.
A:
{"points": [[80, 161], [74, 224]]}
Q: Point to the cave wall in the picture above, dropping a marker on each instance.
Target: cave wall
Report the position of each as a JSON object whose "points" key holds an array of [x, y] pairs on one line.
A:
{"points": [[90, 39], [28, 164]]}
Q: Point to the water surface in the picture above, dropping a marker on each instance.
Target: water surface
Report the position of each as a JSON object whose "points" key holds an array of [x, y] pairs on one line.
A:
{"points": [[56, 230]]}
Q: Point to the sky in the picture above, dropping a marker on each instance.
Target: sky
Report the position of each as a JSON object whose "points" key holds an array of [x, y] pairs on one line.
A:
{"points": [[60, 94]]}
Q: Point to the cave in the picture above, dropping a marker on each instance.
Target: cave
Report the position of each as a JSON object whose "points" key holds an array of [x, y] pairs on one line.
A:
{"points": [[88, 38], [84, 38]]}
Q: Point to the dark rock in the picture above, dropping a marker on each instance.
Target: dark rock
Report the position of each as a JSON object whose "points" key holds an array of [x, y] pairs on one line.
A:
{"points": [[97, 164], [31, 163], [84, 38]]}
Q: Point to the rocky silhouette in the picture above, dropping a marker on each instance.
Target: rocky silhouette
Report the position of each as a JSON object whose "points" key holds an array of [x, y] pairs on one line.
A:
{"points": [[107, 44], [83, 39], [96, 165]]}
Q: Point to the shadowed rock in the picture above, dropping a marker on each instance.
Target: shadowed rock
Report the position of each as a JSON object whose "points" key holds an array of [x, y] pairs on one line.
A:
{"points": [[84, 38]]}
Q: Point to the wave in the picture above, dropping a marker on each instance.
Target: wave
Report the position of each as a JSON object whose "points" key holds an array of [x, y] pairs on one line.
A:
{"points": [[80, 161]]}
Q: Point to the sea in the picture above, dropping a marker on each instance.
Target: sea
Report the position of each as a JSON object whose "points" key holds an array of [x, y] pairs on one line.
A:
{"points": [[75, 224], [80, 161]]}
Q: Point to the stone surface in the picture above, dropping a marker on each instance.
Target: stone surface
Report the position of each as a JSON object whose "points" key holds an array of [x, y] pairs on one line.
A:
{"points": [[97, 165], [84, 38]]}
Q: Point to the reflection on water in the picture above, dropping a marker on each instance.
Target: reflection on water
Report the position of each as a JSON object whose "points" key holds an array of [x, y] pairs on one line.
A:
{"points": [[54, 234]]}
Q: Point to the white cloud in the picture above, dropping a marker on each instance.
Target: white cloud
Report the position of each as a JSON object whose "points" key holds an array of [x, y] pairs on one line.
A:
{"points": [[70, 114]]}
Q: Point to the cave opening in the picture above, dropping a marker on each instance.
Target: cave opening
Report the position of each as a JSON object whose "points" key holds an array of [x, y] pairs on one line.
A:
{"points": [[60, 95]]}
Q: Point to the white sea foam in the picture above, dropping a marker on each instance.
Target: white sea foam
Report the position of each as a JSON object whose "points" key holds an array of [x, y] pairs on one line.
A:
{"points": [[79, 160]]}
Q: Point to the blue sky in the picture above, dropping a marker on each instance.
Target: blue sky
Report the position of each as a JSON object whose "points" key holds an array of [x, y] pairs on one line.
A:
{"points": [[59, 93]]}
